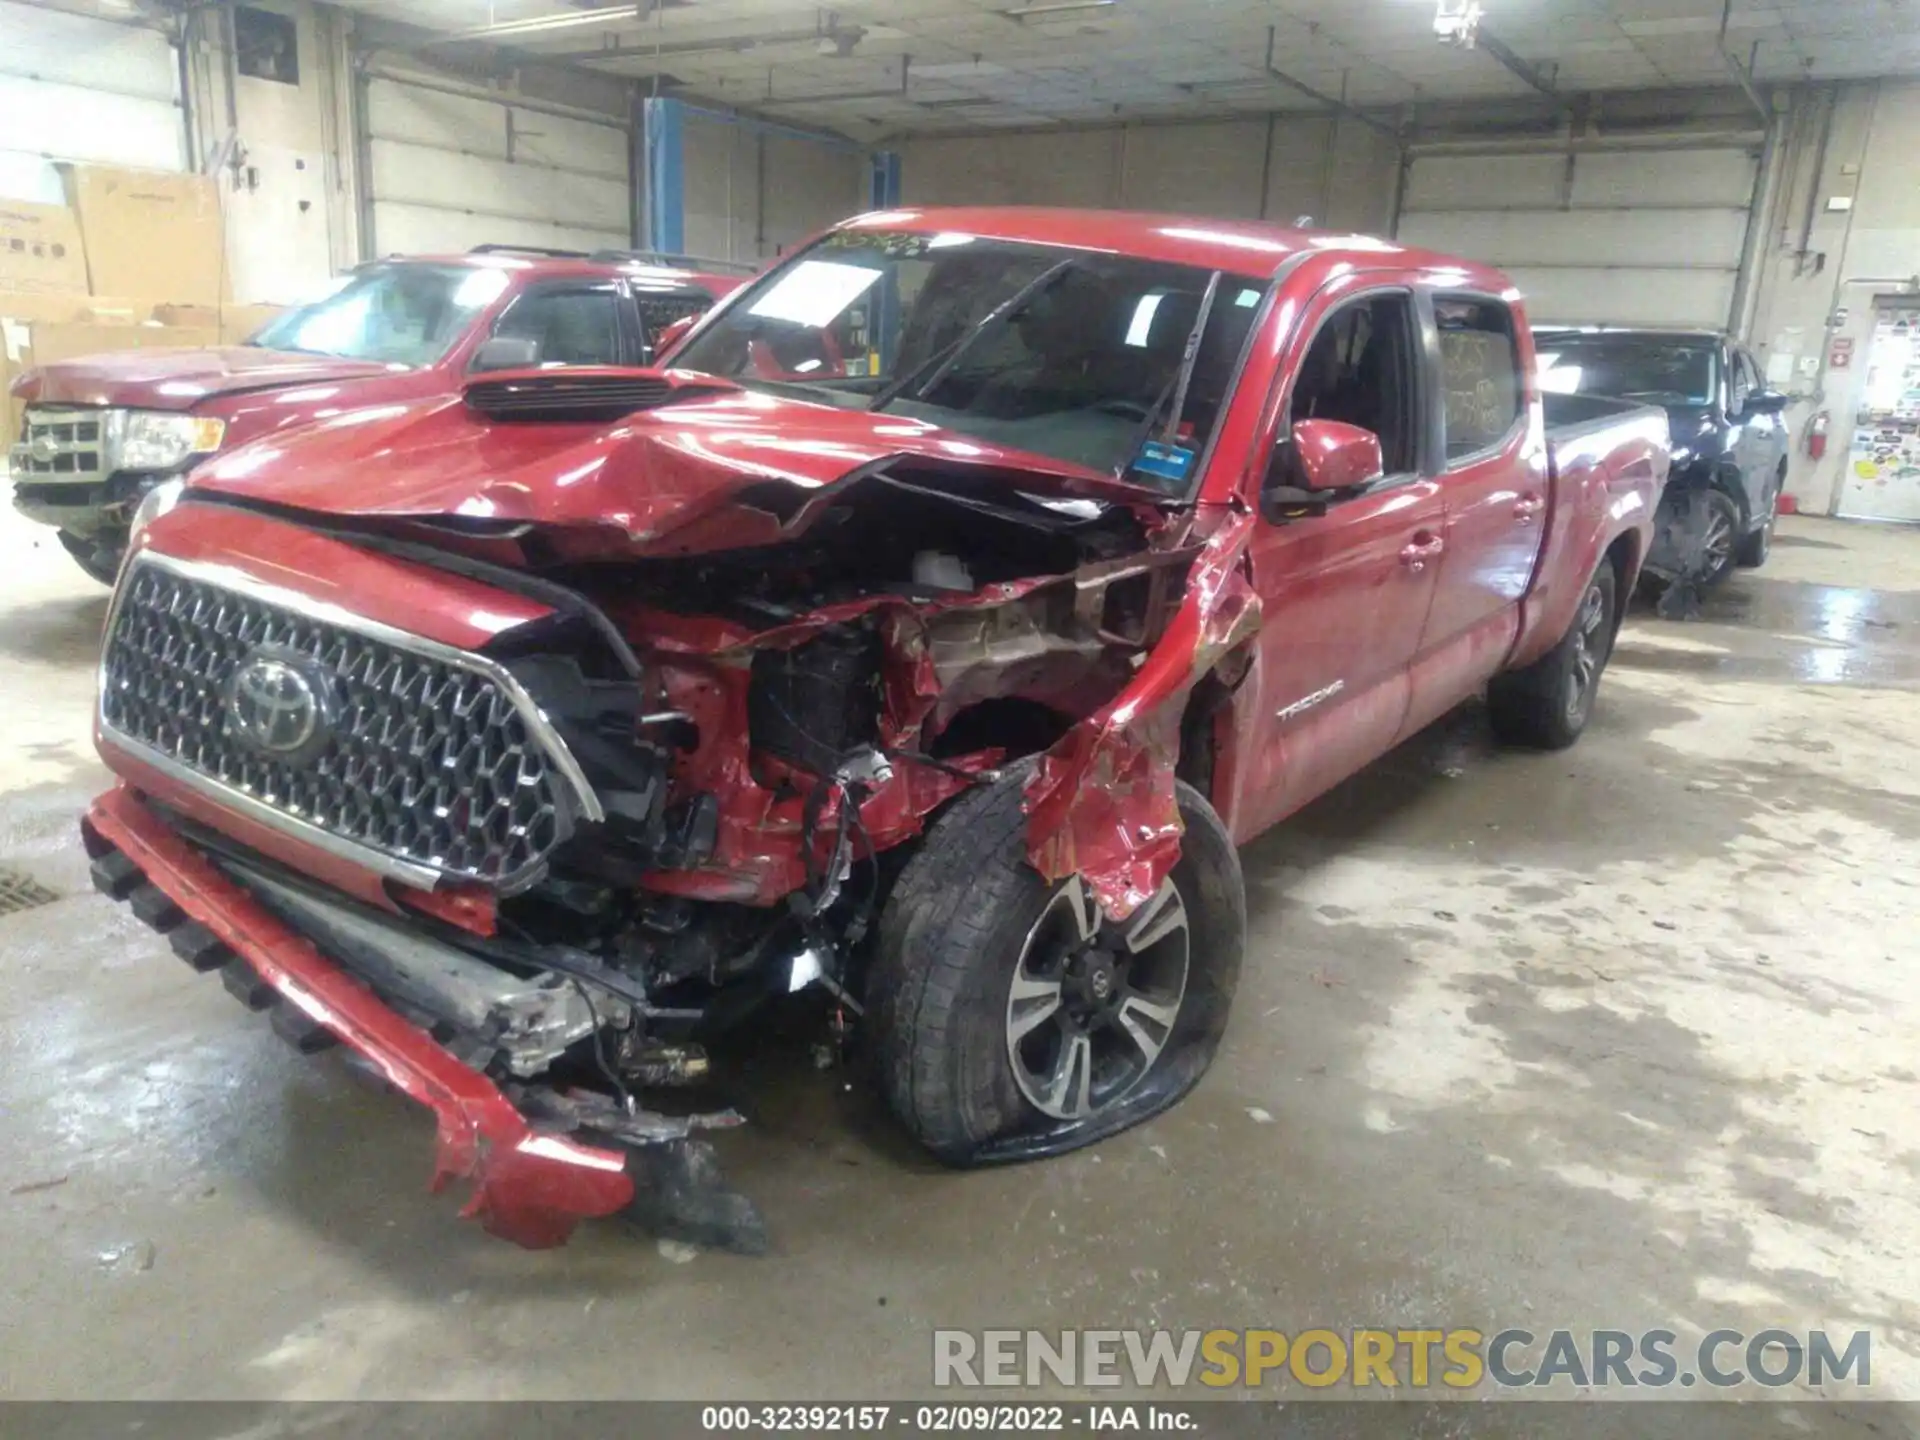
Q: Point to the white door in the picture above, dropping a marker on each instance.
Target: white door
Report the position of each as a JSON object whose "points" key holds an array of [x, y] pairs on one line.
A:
{"points": [[1650, 238], [77, 88], [450, 172], [1882, 478]]}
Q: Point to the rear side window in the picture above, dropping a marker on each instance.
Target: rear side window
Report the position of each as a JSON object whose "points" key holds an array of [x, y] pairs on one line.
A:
{"points": [[568, 327], [1479, 373]]}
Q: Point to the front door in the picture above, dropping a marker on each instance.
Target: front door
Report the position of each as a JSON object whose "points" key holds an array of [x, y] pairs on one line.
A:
{"points": [[1759, 438], [1496, 498], [1345, 592]]}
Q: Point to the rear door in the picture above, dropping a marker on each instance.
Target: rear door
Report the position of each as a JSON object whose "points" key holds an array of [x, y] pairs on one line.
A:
{"points": [[1493, 478], [1344, 592]]}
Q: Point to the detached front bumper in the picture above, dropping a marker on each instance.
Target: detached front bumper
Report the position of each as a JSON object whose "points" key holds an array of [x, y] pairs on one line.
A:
{"points": [[529, 1186]]}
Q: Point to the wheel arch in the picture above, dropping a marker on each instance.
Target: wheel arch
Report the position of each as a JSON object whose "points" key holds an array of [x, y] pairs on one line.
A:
{"points": [[1625, 556]]}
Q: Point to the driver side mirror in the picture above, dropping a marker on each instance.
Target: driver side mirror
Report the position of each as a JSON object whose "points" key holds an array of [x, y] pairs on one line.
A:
{"points": [[1321, 459], [1766, 402], [506, 352]]}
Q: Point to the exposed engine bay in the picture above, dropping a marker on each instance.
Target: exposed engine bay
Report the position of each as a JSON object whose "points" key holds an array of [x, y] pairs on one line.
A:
{"points": [[788, 714]]}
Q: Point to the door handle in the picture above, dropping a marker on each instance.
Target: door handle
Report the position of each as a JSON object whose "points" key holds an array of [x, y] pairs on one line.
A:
{"points": [[1426, 546], [1528, 509]]}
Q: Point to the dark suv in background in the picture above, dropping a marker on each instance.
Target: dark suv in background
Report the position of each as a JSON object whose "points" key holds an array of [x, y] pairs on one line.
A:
{"points": [[1729, 440]]}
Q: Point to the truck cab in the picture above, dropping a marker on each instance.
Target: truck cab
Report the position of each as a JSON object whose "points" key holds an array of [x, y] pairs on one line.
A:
{"points": [[99, 433]]}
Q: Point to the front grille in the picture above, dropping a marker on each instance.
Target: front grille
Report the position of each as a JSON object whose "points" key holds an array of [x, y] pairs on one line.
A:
{"points": [[58, 443], [429, 759]]}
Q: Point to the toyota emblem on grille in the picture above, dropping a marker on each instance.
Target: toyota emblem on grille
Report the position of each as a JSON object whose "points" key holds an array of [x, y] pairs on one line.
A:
{"points": [[43, 448], [279, 704]]}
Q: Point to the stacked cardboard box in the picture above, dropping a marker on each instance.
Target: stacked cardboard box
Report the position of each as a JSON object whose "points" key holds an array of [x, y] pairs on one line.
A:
{"points": [[135, 260]]}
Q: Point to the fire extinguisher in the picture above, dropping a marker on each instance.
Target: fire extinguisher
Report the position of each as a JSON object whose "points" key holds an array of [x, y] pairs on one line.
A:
{"points": [[1817, 436]]}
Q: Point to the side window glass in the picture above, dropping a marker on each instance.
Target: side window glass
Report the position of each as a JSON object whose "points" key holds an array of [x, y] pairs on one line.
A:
{"points": [[1359, 369], [567, 327], [1739, 385], [1479, 373]]}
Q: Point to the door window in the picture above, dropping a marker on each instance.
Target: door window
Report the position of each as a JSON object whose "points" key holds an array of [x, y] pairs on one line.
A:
{"points": [[567, 326], [1479, 373], [1360, 370], [1746, 383]]}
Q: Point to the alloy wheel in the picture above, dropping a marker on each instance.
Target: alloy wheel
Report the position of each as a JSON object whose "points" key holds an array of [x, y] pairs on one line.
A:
{"points": [[1589, 653], [1093, 1003]]}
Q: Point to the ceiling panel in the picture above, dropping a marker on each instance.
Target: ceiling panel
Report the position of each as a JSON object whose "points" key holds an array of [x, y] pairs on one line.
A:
{"points": [[979, 62]]}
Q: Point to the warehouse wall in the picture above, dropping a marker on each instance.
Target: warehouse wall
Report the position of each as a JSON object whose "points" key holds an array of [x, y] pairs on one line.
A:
{"points": [[1340, 172], [288, 183], [752, 193], [1875, 134]]}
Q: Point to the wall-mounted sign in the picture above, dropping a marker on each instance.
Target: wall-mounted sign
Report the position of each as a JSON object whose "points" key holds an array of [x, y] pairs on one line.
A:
{"points": [[1840, 355]]}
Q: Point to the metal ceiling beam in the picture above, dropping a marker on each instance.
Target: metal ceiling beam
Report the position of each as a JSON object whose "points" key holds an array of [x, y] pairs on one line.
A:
{"points": [[623, 49], [1331, 103], [1529, 74], [1742, 74]]}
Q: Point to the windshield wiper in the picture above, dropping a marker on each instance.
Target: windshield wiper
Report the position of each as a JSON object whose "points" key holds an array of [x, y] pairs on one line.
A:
{"points": [[1175, 389], [942, 361]]}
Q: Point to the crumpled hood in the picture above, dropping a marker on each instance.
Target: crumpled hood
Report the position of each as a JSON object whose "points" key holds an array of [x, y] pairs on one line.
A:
{"points": [[181, 379], [654, 473]]}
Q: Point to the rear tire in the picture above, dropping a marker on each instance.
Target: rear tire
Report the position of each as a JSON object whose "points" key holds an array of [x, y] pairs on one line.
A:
{"points": [[1001, 1030], [101, 562], [1547, 705]]}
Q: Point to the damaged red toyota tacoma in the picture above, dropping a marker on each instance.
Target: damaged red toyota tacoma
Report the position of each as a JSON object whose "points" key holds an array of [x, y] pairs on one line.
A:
{"points": [[924, 633]]}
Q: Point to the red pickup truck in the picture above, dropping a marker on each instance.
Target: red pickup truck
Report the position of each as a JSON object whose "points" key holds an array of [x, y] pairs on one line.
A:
{"points": [[923, 635], [99, 433]]}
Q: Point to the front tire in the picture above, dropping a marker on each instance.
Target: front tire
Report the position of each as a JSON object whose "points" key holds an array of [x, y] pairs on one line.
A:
{"points": [[1720, 523], [100, 561], [1011, 1019], [1547, 705], [1755, 548]]}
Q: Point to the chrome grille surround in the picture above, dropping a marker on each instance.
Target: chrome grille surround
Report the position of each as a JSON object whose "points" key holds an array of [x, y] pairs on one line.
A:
{"points": [[58, 444], [441, 766]]}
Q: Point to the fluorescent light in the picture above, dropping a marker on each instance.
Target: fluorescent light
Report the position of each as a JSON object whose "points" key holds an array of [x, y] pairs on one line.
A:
{"points": [[537, 24], [1056, 7]]}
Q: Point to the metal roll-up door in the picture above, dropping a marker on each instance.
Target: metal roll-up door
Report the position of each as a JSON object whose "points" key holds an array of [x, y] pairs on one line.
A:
{"points": [[450, 171], [76, 88], [1648, 237]]}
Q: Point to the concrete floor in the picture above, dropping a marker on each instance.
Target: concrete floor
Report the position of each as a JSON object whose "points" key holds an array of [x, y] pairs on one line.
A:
{"points": [[1622, 1037]]}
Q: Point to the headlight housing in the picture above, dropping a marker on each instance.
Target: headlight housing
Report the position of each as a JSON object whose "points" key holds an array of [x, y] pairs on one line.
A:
{"points": [[155, 440], [155, 503]]}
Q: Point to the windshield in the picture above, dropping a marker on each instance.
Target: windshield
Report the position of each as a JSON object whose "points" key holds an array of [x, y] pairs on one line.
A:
{"points": [[398, 313], [1671, 372], [1117, 364]]}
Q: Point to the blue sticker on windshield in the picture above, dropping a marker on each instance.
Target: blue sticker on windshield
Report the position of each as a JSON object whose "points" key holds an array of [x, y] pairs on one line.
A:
{"points": [[1168, 462]]}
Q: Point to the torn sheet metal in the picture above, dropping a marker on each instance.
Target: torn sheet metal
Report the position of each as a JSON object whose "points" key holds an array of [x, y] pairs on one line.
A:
{"points": [[1101, 803]]}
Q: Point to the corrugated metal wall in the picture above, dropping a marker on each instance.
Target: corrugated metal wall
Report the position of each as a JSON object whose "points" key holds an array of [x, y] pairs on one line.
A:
{"points": [[1341, 173], [752, 193], [76, 88], [1645, 237], [451, 171]]}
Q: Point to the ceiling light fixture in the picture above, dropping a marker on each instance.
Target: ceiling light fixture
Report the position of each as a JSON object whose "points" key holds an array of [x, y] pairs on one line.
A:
{"points": [[1457, 22], [539, 24], [1055, 7]]}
